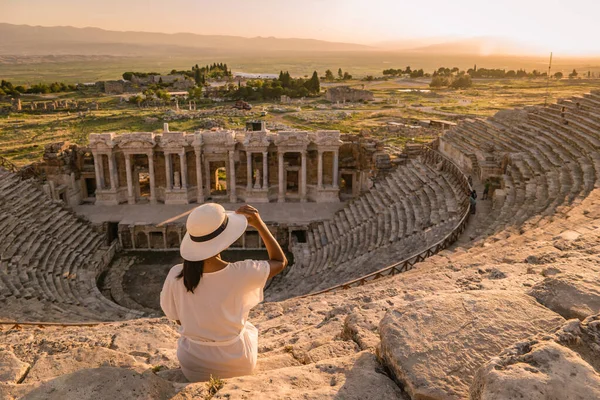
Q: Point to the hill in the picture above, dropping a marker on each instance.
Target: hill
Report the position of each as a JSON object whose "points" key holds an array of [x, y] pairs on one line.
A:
{"points": [[37, 40]]}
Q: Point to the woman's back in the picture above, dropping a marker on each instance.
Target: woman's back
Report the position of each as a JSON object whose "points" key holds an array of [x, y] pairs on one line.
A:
{"points": [[217, 309]]}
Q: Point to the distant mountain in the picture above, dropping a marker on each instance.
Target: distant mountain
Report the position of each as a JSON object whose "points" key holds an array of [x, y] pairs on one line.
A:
{"points": [[411, 43], [39, 40], [478, 46]]}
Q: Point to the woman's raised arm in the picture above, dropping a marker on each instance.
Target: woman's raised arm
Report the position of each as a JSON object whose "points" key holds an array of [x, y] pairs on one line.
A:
{"points": [[277, 259]]}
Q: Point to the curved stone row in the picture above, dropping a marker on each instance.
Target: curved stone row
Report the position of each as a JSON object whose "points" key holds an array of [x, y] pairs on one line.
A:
{"points": [[546, 157], [407, 211], [49, 259]]}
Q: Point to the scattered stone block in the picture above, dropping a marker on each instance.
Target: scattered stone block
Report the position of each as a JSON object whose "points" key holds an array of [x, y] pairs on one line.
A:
{"points": [[562, 365], [12, 370], [434, 346], [570, 295]]}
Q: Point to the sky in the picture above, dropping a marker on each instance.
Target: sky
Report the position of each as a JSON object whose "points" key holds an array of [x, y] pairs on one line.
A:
{"points": [[546, 25]]}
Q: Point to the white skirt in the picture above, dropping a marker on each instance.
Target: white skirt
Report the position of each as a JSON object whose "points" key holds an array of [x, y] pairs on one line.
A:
{"points": [[235, 357]]}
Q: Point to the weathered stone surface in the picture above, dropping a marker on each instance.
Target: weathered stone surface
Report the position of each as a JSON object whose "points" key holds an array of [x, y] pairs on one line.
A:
{"points": [[570, 295], [435, 345], [276, 361], [357, 377], [50, 366], [543, 371], [12, 370], [103, 383], [582, 337], [561, 365], [362, 330]]}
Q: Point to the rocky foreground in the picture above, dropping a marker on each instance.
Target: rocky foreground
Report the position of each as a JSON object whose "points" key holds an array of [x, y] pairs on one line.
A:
{"points": [[516, 316]]}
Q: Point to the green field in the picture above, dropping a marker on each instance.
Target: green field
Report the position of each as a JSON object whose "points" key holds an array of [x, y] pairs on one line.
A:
{"points": [[24, 134], [76, 69]]}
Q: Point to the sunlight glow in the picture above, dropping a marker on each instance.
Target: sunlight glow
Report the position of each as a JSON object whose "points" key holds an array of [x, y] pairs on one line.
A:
{"points": [[519, 25]]}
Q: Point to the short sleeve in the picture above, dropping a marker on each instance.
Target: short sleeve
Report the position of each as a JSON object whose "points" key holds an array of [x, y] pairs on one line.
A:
{"points": [[255, 275], [167, 301]]}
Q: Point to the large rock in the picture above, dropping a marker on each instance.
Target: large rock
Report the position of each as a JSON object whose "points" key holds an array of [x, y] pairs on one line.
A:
{"points": [[359, 377], [570, 295], [558, 366], [543, 371], [12, 370], [435, 345], [52, 365], [103, 383]]}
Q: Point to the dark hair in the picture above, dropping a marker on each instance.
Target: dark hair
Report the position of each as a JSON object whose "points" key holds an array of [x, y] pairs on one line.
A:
{"points": [[191, 273]]}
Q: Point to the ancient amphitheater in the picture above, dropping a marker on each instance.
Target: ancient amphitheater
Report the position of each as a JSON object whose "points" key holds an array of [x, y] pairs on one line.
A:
{"points": [[396, 291]]}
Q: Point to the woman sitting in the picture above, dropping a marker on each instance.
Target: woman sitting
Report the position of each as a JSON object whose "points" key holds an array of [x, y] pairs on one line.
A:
{"points": [[211, 298]]}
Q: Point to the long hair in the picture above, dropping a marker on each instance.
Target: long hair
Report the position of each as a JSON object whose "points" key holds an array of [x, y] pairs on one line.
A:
{"points": [[191, 273]]}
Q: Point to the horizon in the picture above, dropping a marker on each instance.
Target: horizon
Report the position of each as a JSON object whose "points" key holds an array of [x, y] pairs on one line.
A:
{"points": [[538, 28]]}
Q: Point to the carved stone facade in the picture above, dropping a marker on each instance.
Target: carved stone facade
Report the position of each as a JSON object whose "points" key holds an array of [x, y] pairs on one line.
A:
{"points": [[254, 166], [181, 168]]}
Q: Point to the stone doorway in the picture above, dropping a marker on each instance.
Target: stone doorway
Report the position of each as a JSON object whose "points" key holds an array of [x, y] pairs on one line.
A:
{"points": [[218, 178], [157, 240], [90, 187], [346, 184], [143, 185], [292, 181]]}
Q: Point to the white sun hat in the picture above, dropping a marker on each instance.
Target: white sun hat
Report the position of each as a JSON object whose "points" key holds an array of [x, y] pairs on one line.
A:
{"points": [[210, 230]]}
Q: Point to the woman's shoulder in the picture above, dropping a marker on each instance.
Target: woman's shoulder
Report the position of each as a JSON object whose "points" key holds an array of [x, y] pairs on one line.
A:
{"points": [[174, 271], [248, 266]]}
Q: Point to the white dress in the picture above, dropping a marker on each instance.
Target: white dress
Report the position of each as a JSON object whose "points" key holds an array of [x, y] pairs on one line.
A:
{"points": [[216, 337]]}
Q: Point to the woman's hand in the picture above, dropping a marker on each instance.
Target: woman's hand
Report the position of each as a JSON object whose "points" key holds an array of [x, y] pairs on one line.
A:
{"points": [[251, 214]]}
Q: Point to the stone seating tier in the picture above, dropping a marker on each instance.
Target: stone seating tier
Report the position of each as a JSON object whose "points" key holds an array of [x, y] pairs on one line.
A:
{"points": [[49, 258], [551, 163], [409, 209]]}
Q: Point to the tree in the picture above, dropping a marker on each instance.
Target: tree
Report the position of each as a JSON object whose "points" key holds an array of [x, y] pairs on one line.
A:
{"points": [[127, 76], [347, 76], [198, 76], [462, 82], [329, 75], [573, 74], [558, 75], [137, 100], [313, 85], [407, 70], [417, 73], [438, 82], [340, 73]]}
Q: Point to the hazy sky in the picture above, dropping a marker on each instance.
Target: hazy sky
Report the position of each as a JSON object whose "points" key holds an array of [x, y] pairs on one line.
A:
{"points": [[561, 26]]}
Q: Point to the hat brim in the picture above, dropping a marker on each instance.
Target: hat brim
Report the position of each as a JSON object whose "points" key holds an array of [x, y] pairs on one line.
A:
{"points": [[196, 251]]}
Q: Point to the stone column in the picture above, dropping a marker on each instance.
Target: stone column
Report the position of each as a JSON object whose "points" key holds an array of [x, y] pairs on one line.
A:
{"points": [[99, 172], [303, 177], [207, 169], [183, 167], [281, 195], [101, 161], [265, 171], [232, 195], [168, 172], [335, 168], [152, 179], [199, 191], [130, 196], [112, 171], [320, 171], [249, 167]]}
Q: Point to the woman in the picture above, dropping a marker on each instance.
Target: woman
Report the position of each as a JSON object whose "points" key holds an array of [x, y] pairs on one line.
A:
{"points": [[211, 298]]}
